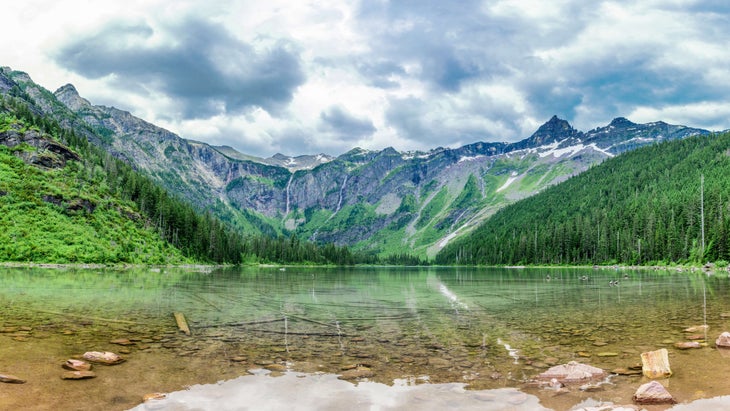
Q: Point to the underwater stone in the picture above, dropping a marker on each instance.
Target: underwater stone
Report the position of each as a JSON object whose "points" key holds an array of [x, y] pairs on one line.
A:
{"points": [[78, 375], [653, 393], [723, 341], [76, 365], [106, 357], [572, 372]]}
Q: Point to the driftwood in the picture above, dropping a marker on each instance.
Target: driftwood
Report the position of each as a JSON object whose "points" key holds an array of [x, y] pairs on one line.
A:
{"points": [[182, 324], [655, 364]]}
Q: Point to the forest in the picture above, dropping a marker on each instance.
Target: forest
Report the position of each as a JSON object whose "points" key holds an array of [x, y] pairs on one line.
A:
{"points": [[662, 204], [197, 234]]}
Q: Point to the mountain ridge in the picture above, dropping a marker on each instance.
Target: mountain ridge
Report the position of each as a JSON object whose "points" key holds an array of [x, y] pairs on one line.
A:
{"points": [[382, 201]]}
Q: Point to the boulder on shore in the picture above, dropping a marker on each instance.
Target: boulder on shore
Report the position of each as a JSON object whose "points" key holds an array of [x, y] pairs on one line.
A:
{"points": [[572, 372], [723, 341], [655, 364], [653, 393]]}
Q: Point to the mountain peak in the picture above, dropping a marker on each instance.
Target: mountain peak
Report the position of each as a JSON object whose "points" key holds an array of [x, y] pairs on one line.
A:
{"points": [[69, 96], [621, 122]]}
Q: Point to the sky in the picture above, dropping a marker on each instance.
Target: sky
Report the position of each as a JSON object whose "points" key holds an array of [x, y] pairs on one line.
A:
{"points": [[325, 76]]}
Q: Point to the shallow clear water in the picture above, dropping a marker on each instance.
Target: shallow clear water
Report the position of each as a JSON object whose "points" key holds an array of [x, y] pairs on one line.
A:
{"points": [[489, 328]]}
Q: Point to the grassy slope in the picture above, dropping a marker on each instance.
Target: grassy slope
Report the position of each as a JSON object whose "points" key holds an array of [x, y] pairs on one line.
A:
{"points": [[88, 225]]}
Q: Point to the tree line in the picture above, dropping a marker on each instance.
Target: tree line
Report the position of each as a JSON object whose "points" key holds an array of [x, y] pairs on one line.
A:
{"points": [[645, 207], [197, 233]]}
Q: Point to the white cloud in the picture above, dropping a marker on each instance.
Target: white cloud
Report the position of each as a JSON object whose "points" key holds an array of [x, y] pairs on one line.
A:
{"points": [[422, 76]]}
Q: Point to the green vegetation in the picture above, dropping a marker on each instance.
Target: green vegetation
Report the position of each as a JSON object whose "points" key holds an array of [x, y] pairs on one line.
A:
{"points": [[100, 210], [643, 207]]}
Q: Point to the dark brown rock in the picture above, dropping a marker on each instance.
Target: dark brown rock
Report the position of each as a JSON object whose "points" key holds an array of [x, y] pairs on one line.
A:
{"points": [[653, 393]]}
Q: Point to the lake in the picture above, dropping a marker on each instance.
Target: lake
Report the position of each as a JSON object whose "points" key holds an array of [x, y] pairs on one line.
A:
{"points": [[491, 329]]}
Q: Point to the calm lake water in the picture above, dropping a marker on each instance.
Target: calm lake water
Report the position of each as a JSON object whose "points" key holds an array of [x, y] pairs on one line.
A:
{"points": [[488, 328]]}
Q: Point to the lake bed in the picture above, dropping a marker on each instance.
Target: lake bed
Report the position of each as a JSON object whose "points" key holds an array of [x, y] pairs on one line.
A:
{"points": [[488, 329]]}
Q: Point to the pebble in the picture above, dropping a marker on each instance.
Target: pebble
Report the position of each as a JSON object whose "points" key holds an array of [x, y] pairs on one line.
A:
{"points": [[361, 372], [76, 365], [11, 379], [78, 375]]}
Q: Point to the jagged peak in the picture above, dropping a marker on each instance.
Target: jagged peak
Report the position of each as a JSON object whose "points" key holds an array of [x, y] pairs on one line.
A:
{"points": [[69, 96]]}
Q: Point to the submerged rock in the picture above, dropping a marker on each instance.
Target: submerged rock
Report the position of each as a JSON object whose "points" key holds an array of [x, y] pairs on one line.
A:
{"points": [[696, 328], [360, 372], [106, 357], [78, 375], [653, 393], [685, 345], [572, 372], [655, 364], [76, 365], [11, 379], [723, 341], [122, 341], [154, 396]]}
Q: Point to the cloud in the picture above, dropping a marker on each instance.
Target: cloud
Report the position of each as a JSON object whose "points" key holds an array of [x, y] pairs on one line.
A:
{"points": [[201, 66], [414, 74], [344, 125]]}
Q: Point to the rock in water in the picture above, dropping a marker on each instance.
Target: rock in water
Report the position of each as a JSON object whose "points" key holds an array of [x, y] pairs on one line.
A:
{"points": [[685, 345], [572, 372], [359, 372], [696, 328], [78, 375], [11, 379], [76, 365], [106, 357], [655, 364], [653, 393], [723, 341]]}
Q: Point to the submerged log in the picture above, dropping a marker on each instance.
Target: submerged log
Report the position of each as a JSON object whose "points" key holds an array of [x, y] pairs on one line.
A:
{"points": [[655, 364], [182, 324]]}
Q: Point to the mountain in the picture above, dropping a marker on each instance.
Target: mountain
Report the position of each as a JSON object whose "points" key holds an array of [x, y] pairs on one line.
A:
{"points": [[65, 200], [659, 204], [383, 202]]}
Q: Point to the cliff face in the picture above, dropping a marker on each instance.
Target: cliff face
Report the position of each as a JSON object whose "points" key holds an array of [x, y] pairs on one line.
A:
{"points": [[384, 201]]}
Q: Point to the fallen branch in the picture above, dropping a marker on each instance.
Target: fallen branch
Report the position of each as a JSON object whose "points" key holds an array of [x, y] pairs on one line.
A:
{"points": [[182, 324]]}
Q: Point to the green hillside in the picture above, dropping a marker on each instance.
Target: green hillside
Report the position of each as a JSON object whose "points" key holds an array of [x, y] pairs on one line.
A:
{"points": [[642, 207], [64, 200], [66, 215]]}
